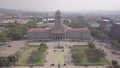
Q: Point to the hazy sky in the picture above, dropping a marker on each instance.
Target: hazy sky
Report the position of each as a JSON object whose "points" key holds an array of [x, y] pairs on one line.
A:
{"points": [[64, 5]]}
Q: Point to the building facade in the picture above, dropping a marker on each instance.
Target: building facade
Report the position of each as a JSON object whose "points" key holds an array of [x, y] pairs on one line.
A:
{"points": [[58, 31], [115, 30], [106, 24]]}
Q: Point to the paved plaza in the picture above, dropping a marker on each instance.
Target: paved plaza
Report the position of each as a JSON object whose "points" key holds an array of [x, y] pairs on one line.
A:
{"points": [[16, 45]]}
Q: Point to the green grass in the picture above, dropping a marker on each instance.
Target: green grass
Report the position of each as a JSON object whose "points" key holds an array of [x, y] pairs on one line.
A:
{"points": [[24, 53], [102, 61], [59, 57], [40, 61]]}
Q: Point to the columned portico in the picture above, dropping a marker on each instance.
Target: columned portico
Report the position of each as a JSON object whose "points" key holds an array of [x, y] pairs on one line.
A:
{"points": [[60, 36]]}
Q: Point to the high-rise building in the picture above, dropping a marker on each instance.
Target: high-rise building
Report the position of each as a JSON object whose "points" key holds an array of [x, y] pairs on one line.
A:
{"points": [[115, 30], [105, 24]]}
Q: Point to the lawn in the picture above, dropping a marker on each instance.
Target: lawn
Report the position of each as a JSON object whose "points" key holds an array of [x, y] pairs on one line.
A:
{"points": [[25, 52], [59, 57], [102, 61]]}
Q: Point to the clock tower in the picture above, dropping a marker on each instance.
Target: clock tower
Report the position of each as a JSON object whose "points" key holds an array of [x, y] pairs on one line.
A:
{"points": [[58, 19]]}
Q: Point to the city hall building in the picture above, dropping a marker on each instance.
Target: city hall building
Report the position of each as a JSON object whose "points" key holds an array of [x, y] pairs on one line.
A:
{"points": [[58, 31]]}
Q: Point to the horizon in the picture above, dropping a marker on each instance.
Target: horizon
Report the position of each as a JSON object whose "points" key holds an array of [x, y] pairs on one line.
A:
{"points": [[63, 5], [60, 10]]}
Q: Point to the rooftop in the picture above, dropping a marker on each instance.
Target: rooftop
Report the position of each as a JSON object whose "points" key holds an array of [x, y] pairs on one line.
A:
{"points": [[106, 20], [78, 30], [38, 30], [117, 23], [66, 28]]}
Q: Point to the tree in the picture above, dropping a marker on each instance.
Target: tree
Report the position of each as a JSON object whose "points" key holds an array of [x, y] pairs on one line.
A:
{"points": [[77, 56], [94, 54], [16, 34], [3, 61], [76, 24], [12, 58], [15, 31], [42, 47], [3, 38], [115, 64], [31, 24], [36, 55], [115, 43], [99, 34], [99, 53], [103, 36], [91, 45]]}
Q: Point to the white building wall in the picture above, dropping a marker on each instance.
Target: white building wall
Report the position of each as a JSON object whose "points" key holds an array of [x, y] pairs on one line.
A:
{"points": [[86, 35], [78, 35], [48, 35], [39, 35], [73, 35]]}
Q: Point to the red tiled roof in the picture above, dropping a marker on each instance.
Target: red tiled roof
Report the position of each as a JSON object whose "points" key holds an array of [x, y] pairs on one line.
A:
{"points": [[78, 30], [38, 30], [66, 28]]}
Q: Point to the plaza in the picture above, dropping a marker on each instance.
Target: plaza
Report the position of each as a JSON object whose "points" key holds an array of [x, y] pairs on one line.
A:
{"points": [[54, 56]]}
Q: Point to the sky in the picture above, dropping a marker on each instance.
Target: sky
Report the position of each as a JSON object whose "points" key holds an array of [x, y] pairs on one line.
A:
{"points": [[64, 5]]}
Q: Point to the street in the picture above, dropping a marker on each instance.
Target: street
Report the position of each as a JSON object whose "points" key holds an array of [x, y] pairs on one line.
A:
{"points": [[109, 55]]}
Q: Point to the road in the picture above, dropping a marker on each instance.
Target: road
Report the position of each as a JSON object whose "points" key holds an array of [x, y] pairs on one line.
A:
{"points": [[107, 50]]}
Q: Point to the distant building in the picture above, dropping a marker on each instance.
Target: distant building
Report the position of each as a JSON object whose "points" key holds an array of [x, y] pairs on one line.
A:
{"points": [[58, 31], [22, 21], [105, 24], [67, 20], [115, 30], [50, 20], [93, 23]]}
